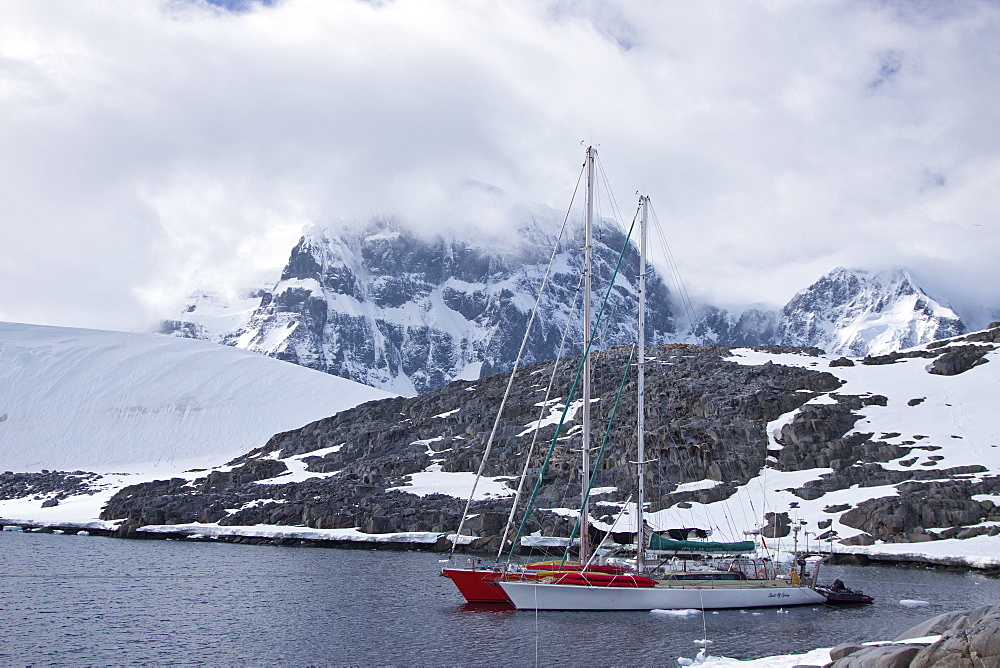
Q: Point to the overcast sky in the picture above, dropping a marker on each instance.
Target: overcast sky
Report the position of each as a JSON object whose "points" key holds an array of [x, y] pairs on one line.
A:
{"points": [[152, 147]]}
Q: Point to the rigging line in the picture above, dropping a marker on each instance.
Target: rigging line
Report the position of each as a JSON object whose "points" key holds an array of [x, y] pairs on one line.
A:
{"points": [[569, 398], [600, 454], [748, 522], [762, 478], [673, 269], [672, 264], [750, 500], [615, 210], [538, 424], [727, 515], [513, 372]]}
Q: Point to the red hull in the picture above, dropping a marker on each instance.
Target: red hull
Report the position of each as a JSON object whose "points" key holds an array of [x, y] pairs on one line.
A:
{"points": [[480, 586], [477, 586]]}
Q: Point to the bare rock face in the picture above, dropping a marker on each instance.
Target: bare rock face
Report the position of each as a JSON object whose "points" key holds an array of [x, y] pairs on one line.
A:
{"points": [[881, 656], [969, 639], [930, 504]]}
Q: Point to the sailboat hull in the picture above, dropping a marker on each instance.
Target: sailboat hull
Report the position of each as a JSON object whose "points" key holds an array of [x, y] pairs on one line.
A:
{"points": [[478, 586], [771, 594]]}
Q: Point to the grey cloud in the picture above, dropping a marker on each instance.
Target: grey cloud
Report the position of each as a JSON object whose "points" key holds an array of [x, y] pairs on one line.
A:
{"points": [[150, 148]]}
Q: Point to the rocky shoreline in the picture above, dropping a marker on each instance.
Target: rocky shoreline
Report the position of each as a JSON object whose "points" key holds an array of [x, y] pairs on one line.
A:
{"points": [[965, 639]]}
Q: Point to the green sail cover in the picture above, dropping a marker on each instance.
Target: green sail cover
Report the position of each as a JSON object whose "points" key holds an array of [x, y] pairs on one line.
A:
{"points": [[657, 542]]}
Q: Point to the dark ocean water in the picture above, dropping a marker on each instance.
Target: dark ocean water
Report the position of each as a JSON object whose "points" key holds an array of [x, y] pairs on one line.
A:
{"points": [[73, 600]]}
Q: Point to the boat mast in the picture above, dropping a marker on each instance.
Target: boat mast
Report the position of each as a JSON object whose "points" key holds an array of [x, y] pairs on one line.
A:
{"points": [[587, 342], [640, 537]]}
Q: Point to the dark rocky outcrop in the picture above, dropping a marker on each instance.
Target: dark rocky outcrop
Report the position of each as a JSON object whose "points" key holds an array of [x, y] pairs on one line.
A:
{"points": [[706, 419], [941, 503], [56, 485], [959, 359]]}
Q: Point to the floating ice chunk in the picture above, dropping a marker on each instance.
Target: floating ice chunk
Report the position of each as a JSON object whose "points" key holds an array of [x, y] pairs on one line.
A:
{"points": [[699, 658], [677, 613], [913, 603]]}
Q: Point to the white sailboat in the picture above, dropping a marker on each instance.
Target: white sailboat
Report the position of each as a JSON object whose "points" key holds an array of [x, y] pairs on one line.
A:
{"points": [[734, 587]]}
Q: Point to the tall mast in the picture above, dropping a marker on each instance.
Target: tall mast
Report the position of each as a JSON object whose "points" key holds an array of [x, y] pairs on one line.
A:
{"points": [[640, 548], [587, 342]]}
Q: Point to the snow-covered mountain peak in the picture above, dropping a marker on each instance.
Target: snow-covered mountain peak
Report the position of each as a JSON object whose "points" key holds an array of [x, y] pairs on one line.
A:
{"points": [[408, 307], [862, 312], [394, 307]]}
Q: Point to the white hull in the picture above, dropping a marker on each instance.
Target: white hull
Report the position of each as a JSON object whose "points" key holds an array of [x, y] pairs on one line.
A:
{"points": [[766, 594]]}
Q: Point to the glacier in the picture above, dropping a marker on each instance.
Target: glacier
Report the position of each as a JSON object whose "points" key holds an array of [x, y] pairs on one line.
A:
{"points": [[116, 401]]}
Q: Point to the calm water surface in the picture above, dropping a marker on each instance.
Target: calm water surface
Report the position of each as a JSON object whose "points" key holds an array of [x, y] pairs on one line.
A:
{"points": [[73, 600]]}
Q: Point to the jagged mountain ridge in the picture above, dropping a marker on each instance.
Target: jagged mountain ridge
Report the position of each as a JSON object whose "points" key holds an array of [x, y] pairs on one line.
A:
{"points": [[865, 313], [385, 306], [852, 312]]}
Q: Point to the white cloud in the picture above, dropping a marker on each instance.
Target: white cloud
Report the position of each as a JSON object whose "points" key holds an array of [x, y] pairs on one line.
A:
{"points": [[148, 147]]}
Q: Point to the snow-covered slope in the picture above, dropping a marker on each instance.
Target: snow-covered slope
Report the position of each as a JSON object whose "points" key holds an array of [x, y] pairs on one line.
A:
{"points": [[943, 423], [75, 398]]}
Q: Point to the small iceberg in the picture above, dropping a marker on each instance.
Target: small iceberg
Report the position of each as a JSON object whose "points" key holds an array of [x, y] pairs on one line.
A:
{"points": [[913, 603], [677, 613]]}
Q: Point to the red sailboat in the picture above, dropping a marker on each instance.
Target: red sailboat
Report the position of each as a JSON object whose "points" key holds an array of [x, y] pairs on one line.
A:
{"points": [[479, 583]]}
